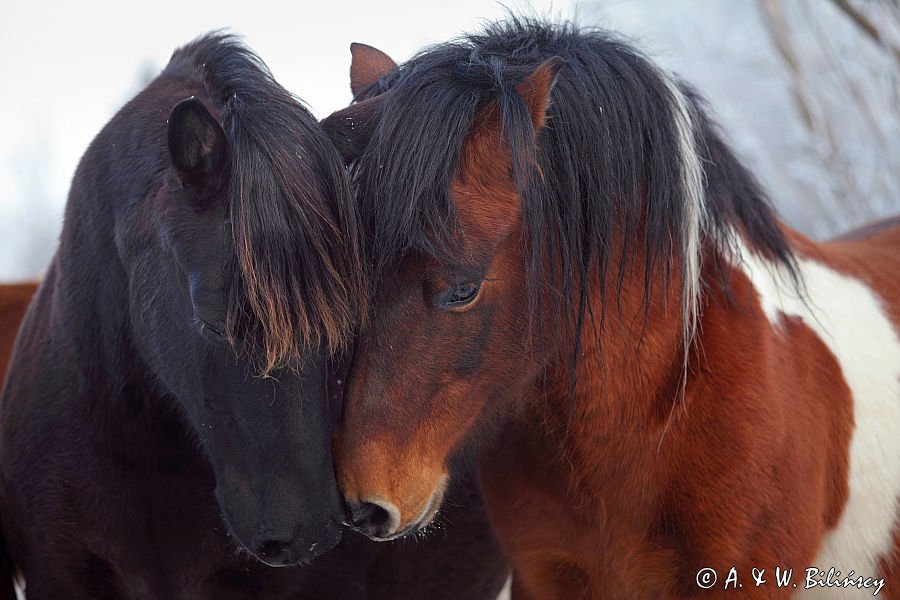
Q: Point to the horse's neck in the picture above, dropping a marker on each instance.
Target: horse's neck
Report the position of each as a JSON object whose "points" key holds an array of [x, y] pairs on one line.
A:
{"points": [[631, 385], [76, 338], [769, 403], [595, 439], [621, 404], [88, 300]]}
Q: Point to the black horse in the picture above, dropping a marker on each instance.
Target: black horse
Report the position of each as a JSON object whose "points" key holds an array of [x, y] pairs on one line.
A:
{"points": [[165, 421]]}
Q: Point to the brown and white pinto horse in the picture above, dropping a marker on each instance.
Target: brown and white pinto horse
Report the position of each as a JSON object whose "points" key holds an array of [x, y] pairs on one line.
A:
{"points": [[581, 283]]}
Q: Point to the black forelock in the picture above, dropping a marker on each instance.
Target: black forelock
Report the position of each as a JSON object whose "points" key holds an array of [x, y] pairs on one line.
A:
{"points": [[295, 277]]}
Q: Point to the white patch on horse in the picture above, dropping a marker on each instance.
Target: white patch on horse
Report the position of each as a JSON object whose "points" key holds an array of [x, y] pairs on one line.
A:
{"points": [[850, 320]]}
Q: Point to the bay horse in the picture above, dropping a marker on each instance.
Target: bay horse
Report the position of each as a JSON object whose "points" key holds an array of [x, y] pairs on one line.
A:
{"points": [[14, 300], [165, 428], [669, 392]]}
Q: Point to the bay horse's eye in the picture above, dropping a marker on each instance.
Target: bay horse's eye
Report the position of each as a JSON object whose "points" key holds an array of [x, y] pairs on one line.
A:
{"points": [[459, 295]]}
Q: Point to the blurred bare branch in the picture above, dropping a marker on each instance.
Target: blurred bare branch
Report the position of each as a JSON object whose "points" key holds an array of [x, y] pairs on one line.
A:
{"points": [[863, 22], [839, 97], [808, 92], [781, 37], [816, 122]]}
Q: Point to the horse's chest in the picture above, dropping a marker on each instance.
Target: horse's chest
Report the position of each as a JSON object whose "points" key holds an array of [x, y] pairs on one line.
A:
{"points": [[551, 540], [149, 535], [141, 534]]}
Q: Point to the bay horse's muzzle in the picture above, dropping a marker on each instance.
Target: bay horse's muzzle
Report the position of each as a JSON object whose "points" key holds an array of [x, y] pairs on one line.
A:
{"points": [[382, 521], [379, 520]]}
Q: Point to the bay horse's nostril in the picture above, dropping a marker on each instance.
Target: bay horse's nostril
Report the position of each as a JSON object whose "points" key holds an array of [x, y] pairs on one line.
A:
{"points": [[378, 520]]}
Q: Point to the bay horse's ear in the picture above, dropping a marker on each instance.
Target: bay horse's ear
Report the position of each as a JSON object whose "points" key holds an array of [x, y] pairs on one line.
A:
{"points": [[351, 129], [367, 66], [535, 89], [197, 146]]}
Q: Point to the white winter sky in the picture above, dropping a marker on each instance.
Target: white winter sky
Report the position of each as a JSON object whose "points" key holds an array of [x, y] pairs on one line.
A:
{"points": [[67, 66]]}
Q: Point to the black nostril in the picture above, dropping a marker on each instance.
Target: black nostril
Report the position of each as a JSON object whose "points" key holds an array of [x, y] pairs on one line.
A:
{"points": [[272, 550], [371, 519]]}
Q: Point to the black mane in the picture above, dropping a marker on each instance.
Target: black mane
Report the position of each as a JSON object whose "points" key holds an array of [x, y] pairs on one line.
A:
{"points": [[610, 157], [295, 277]]}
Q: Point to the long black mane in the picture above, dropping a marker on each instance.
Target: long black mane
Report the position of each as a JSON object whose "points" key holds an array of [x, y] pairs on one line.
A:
{"points": [[626, 150], [295, 275]]}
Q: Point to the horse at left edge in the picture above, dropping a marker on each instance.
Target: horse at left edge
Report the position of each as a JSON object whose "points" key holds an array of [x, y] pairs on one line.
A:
{"points": [[14, 300]]}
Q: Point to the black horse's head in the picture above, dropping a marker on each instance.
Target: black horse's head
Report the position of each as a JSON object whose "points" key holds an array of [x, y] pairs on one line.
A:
{"points": [[243, 275]]}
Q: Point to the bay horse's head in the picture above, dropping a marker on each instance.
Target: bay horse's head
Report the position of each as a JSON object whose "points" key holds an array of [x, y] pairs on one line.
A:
{"points": [[244, 274], [520, 190]]}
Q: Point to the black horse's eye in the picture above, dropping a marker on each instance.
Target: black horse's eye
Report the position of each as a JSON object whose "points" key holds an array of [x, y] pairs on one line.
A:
{"points": [[211, 331], [460, 294]]}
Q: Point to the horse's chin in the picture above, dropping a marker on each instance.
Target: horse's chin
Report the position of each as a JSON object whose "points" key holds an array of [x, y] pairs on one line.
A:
{"points": [[434, 505], [309, 543], [305, 554]]}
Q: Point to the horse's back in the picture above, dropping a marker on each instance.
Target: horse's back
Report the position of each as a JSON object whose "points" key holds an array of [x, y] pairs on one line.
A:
{"points": [[886, 225], [14, 301], [872, 253]]}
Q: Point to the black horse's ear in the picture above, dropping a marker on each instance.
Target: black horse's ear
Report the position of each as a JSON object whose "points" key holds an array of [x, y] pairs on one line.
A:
{"points": [[535, 89], [197, 145], [367, 66], [351, 129]]}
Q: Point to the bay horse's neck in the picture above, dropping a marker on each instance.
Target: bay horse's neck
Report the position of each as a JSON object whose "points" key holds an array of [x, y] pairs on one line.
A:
{"points": [[628, 385]]}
